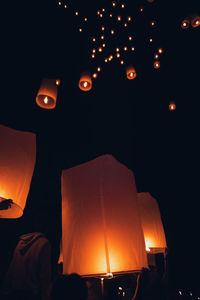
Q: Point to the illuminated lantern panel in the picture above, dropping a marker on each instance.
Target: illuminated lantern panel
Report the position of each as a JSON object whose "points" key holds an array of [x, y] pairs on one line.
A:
{"points": [[152, 225], [101, 227], [172, 106], [195, 21], [130, 73], [185, 24], [85, 82], [47, 94], [17, 162]]}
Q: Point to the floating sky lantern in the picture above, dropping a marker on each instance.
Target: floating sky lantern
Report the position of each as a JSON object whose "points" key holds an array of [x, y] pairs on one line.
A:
{"points": [[130, 72], [152, 225], [156, 64], [172, 106], [195, 21], [85, 82], [185, 24], [100, 235], [47, 94], [17, 162]]}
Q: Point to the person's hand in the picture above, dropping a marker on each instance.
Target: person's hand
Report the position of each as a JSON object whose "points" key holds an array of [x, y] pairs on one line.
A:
{"points": [[5, 203]]}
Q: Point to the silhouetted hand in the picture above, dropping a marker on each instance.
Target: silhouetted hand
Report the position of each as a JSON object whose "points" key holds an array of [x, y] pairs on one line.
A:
{"points": [[5, 203]]}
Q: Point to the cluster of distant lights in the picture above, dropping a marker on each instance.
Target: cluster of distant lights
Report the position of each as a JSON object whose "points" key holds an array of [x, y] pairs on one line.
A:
{"points": [[193, 22], [183, 293], [86, 84]]}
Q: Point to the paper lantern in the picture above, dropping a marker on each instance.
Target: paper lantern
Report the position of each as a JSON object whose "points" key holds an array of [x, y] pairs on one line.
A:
{"points": [[85, 82], [185, 24], [47, 94], [17, 162], [195, 21], [156, 64], [172, 106], [152, 225], [101, 227], [130, 72]]}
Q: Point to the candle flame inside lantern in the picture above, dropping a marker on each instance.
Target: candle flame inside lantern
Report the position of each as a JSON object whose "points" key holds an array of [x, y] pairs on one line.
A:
{"points": [[46, 100]]}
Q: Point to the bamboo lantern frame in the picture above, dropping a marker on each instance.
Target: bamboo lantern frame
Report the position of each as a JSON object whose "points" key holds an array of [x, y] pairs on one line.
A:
{"points": [[85, 82], [47, 94], [130, 72]]}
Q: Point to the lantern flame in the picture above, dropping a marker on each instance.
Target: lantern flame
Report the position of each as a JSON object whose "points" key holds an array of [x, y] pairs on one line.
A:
{"points": [[46, 100], [148, 249]]}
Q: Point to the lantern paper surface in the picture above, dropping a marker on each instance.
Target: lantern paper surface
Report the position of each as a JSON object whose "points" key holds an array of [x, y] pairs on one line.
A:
{"points": [[151, 223], [47, 94], [100, 235], [17, 162], [85, 82]]}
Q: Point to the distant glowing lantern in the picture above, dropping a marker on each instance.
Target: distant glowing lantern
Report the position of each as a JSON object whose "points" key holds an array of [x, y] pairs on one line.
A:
{"points": [[80, 29], [156, 64], [103, 9], [160, 50], [129, 19], [113, 4], [17, 162], [76, 13], [93, 39], [57, 82], [102, 37], [101, 16], [156, 56], [85, 82], [103, 45], [47, 94], [125, 24], [132, 48], [150, 40], [85, 19], [125, 48], [102, 28], [152, 225], [121, 62], [141, 9], [94, 75], [100, 49], [98, 12], [110, 15], [100, 235], [119, 18], [118, 54], [130, 38], [195, 21], [152, 23], [99, 69], [172, 106], [185, 24], [130, 72], [122, 5], [112, 31], [65, 6]]}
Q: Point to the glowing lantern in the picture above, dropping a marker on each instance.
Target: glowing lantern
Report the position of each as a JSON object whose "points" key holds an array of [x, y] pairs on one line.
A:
{"points": [[129, 19], [85, 82], [172, 106], [185, 24], [160, 50], [130, 72], [152, 225], [47, 94], [195, 21], [17, 162], [156, 64], [100, 236], [57, 82]]}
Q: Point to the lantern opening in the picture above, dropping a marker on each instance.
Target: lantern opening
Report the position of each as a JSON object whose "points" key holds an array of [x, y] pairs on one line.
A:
{"points": [[130, 73], [48, 102], [85, 82]]}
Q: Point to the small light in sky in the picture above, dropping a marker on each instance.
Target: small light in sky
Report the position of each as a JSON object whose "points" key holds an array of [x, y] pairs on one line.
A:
{"points": [[122, 5], [113, 4], [93, 50], [76, 13], [119, 18], [150, 40], [100, 49], [57, 82], [85, 84], [152, 23], [101, 16], [102, 37], [156, 56], [160, 50], [125, 24], [85, 19], [103, 9], [102, 28], [93, 56], [99, 69], [129, 18], [59, 2], [121, 62], [94, 75], [110, 15], [112, 31], [98, 12], [93, 39], [130, 38], [180, 293], [80, 29], [117, 49], [156, 64], [118, 54], [65, 6], [132, 48], [103, 45], [141, 9], [106, 60], [125, 48]]}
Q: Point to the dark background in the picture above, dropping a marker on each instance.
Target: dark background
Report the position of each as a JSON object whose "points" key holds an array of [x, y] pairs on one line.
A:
{"points": [[128, 119]]}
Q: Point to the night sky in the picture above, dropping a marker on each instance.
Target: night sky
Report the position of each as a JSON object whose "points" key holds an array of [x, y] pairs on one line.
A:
{"points": [[129, 119]]}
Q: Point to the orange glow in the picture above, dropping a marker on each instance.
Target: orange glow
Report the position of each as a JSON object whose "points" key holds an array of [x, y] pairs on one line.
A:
{"points": [[152, 23], [125, 48], [17, 163], [80, 29], [85, 82], [118, 55], [103, 9], [93, 50], [110, 15], [160, 50], [153, 230], [125, 24], [195, 21], [150, 40], [98, 12], [106, 60], [103, 45], [47, 94], [156, 64], [102, 37], [112, 31], [76, 13], [59, 3], [129, 19], [99, 69], [102, 28], [172, 106], [156, 56], [132, 48], [185, 24], [93, 55], [121, 62], [101, 16], [117, 49], [130, 72], [141, 9], [65, 6], [113, 4], [119, 18], [100, 49], [122, 5], [57, 82], [93, 39], [99, 243], [85, 19], [130, 38], [95, 75]]}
